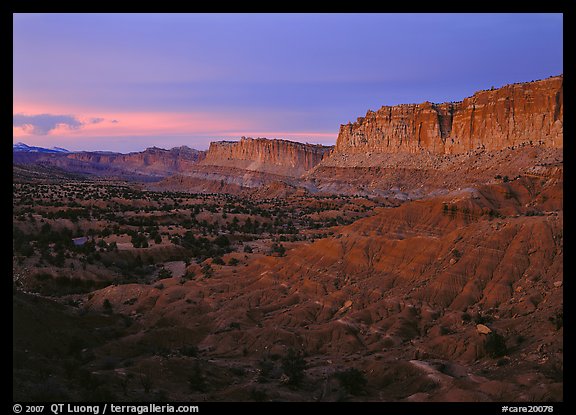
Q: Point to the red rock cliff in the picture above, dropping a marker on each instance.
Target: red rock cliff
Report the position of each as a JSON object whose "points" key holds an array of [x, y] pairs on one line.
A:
{"points": [[283, 157], [524, 113], [152, 160]]}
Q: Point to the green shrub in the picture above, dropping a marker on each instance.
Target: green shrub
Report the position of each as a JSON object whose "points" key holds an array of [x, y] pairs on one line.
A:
{"points": [[233, 262], [218, 260]]}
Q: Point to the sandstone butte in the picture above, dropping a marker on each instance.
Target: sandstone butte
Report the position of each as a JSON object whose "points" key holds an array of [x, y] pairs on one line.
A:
{"points": [[518, 114], [261, 154]]}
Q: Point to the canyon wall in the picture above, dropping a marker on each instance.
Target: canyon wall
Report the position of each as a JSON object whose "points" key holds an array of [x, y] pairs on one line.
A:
{"points": [[517, 114], [153, 160], [281, 157]]}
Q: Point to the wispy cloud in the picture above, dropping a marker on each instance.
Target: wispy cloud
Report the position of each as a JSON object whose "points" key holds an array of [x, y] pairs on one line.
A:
{"points": [[42, 124]]}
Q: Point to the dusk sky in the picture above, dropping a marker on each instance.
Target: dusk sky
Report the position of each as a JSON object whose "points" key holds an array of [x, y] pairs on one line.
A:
{"points": [[124, 82]]}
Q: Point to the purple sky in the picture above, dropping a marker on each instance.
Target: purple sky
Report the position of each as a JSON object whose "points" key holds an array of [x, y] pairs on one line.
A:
{"points": [[124, 82]]}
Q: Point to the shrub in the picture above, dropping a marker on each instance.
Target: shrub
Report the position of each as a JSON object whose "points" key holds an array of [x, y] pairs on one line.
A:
{"points": [[189, 275], [189, 351], [278, 249], [557, 320], [353, 380], [218, 260], [496, 345], [146, 382], [164, 273], [293, 365], [222, 241], [266, 367], [42, 276], [107, 305], [197, 380], [207, 270], [233, 262], [258, 395]]}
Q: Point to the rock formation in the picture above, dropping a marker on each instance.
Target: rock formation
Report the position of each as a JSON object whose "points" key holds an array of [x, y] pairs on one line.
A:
{"points": [[282, 157], [153, 160], [518, 114]]}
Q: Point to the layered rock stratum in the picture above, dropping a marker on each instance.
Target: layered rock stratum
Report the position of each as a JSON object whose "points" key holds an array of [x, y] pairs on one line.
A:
{"points": [[260, 154], [404, 151], [152, 160], [453, 292], [517, 114]]}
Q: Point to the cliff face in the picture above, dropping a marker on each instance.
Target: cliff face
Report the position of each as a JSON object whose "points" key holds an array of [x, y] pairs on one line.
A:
{"points": [[152, 160], [517, 114], [273, 156]]}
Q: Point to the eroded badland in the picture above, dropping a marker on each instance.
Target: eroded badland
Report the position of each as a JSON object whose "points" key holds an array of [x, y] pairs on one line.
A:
{"points": [[420, 259]]}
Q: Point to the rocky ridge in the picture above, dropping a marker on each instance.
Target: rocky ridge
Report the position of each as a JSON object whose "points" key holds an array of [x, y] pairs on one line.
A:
{"points": [[282, 157], [153, 160], [151, 163], [517, 114]]}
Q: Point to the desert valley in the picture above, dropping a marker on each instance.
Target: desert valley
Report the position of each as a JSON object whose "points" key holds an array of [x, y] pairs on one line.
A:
{"points": [[420, 259]]}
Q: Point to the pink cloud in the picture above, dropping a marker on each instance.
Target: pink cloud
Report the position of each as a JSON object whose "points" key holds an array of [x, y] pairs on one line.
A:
{"points": [[133, 124], [107, 127]]}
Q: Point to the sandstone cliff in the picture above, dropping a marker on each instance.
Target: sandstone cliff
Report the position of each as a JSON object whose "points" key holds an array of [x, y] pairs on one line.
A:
{"points": [[524, 113], [281, 157], [153, 160]]}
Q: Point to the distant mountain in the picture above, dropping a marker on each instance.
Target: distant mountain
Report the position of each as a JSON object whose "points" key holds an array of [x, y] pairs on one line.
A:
{"points": [[150, 164], [24, 148]]}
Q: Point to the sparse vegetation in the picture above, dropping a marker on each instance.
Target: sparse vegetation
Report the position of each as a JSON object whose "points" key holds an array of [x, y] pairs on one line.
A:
{"points": [[557, 319], [238, 302], [265, 368], [207, 270], [218, 260], [352, 380], [107, 305], [233, 262], [197, 379], [495, 345], [189, 351], [164, 273], [278, 249], [293, 365], [258, 395]]}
